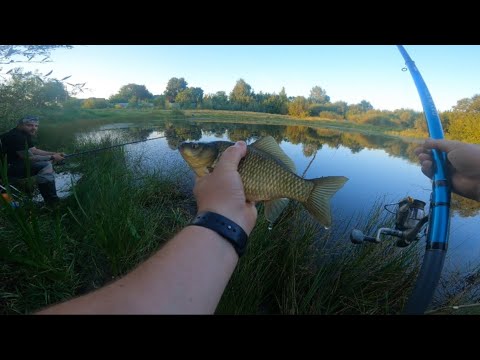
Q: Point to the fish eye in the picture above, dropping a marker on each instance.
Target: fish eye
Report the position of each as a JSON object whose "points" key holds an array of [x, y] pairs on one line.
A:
{"points": [[194, 145]]}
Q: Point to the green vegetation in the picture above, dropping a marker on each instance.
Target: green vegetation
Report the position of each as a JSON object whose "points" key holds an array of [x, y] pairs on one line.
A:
{"points": [[113, 221], [307, 270], [23, 92]]}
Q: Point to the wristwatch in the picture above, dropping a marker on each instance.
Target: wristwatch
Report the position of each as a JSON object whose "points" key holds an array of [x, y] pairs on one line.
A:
{"points": [[52, 157], [225, 227]]}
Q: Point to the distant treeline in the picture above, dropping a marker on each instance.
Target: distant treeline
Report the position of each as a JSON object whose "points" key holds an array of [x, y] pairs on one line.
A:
{"points": [[28, 92]]}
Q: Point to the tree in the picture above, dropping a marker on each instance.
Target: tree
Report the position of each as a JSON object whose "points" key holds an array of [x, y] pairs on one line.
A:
{"points": [[118, 98], [197, 94], [27, 53], [340, 107], [25, 93], [283, 101], [468, 104], [318, 96], [185, 99], [21, 91], [95, 103], [463, 105], [174, 87], [298, 107], [159, 101], [365, 105], [132, 92], [217, 101], [10, 55], [241, 95], [52, 92], [464, 126], [361, 107], [189, 98]]}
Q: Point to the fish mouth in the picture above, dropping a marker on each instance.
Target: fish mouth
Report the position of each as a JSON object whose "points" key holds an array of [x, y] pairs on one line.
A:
{"points": [[181, 147]]}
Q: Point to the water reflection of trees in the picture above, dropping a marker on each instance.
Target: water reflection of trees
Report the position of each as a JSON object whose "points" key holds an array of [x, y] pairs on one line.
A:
{"points": [[177, 134], [464, 207], [312, 139]]}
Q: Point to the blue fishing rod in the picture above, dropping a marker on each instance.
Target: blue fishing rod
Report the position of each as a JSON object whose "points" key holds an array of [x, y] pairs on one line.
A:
{"points": [[409, 214], [439, 217]]}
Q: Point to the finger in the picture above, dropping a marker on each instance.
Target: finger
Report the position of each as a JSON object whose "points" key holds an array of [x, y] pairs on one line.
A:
{"points": [[419, 150], [442, 145], [423, 150], [427, 168], [424, 157], [231, 157]]}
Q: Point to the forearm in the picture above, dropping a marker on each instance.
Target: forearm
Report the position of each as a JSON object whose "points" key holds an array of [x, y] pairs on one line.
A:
{"points": [[36, 158], [32, 156], [187, 276], [42, 152]]}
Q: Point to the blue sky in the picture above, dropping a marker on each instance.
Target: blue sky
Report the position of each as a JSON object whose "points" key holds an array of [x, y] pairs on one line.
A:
{"points": [[348, 73]]}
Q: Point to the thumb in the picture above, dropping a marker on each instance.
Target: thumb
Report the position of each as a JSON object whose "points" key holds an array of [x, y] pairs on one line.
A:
{"points": [[442, 145], [231, 157]]}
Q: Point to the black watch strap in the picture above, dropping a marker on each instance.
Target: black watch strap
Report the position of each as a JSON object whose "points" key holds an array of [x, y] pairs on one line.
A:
{"points": [[225, 227]]}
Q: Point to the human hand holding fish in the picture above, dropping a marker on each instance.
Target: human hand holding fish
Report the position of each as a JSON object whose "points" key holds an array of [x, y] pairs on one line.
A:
{"points": [[223, 183]]}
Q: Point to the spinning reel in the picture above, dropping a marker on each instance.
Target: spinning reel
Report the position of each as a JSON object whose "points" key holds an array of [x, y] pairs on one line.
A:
{"points": [[409, 219]]}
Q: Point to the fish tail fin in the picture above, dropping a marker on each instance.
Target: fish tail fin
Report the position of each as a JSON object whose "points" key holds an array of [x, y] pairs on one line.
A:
{"points": [[318, 203]]}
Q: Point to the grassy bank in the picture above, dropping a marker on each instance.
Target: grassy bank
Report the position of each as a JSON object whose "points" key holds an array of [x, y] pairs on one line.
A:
{"points": [[150, 116], [113, 221]]}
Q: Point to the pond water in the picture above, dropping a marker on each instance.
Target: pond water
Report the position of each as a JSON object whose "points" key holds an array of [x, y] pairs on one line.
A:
{"points": [[380, 168]]}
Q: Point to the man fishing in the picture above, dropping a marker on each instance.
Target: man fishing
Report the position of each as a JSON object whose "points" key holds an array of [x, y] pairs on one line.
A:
{"points": [[24, 159]]}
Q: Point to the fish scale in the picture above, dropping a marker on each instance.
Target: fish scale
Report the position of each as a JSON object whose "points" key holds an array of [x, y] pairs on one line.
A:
{"points": [[266, 179]]}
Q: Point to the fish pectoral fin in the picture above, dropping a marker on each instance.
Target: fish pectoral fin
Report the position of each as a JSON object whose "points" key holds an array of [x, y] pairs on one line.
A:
{"points": [[269, 145], [274, 208], [318, 203]]}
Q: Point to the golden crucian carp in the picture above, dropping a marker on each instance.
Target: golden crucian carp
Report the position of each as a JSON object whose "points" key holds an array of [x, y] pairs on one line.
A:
{"points": [[268, 175]]}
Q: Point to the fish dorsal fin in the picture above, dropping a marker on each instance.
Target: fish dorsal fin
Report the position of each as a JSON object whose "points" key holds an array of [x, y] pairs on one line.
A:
{"points": [[270, 146]]}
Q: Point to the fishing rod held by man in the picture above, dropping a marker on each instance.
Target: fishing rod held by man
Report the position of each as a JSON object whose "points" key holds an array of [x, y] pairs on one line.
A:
{"points": [[108, 147]]}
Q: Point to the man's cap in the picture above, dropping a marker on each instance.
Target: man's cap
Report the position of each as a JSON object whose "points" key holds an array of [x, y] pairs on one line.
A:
{"points": [[28, 119]]}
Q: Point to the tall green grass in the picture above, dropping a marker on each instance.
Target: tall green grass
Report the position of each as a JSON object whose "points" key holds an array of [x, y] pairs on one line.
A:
{"points": [[301, 268], [110, 224], [34, 256]]}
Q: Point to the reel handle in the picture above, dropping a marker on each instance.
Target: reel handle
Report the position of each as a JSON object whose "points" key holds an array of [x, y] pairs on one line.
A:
{"points": [[358, 237]]}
